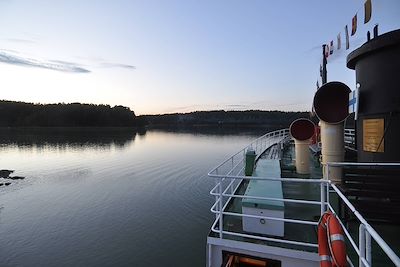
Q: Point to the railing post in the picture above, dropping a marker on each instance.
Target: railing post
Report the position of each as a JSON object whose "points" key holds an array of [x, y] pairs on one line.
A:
{"points": [[323, 198], [217, 188], [368, 248], [256, 147], [264, 144], [327, 195], [326, 170], [209, 255], [231, 178], [221, 222], [361, 244]]}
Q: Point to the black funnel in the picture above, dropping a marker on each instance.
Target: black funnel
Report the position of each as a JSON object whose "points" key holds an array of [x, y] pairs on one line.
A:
{"points": [[377, 65]]}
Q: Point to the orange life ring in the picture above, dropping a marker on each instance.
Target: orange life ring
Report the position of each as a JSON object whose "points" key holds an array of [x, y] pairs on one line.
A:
{"points": [[323, 247], [331, 242], [337, 243]]}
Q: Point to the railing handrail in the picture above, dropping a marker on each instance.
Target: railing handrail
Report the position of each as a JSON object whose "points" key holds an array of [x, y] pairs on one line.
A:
{"points": [[350, 138], [363, 164], [378, 239], [220, 192], [283, 132], [270, 178]]}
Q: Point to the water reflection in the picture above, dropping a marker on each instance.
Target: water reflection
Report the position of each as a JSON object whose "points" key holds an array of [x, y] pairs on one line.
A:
{"points": [[62, 139], [138, 206], [218, 131]]}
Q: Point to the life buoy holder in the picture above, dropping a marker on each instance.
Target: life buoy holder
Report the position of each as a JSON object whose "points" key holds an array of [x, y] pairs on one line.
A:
{"points": [[331, 241]]}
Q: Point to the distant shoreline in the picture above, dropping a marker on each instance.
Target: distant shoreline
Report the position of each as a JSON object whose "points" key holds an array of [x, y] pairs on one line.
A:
{"points": [[91, 117], [22, 114], [70, 130]]}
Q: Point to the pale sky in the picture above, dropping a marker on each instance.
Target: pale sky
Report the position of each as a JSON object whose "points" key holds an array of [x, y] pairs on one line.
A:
{"points": [[178, 56]]}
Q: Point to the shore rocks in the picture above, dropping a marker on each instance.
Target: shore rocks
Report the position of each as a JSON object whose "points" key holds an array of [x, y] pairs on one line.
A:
{"points": [[16, 177], [5, 173]]}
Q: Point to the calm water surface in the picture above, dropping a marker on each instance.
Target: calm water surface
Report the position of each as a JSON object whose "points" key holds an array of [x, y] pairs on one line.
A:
{"points": [[108, 198]]}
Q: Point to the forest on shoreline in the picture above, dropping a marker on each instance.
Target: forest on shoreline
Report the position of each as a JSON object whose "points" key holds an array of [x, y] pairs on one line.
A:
{"points": [[226, 119], [22, 114]]}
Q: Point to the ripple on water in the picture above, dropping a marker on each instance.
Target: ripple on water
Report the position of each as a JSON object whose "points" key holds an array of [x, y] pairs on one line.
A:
{"points": [[138, 206]]}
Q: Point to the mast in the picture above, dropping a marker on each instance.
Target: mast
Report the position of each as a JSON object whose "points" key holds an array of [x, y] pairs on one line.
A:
{"points": [[324, 62]]}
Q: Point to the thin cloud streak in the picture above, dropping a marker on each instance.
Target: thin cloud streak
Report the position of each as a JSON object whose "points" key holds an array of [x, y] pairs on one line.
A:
{"points": [[116, 65], [100, 62], [57, 65]]}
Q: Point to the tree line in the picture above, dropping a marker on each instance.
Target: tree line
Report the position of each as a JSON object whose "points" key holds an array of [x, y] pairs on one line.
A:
{"points": [[250, 118], [21, 114]]}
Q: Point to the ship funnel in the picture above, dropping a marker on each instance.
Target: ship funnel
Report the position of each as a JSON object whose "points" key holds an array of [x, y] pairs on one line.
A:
{"points": [[302, 130], [377, 65], [331, 102], [331, 107]]}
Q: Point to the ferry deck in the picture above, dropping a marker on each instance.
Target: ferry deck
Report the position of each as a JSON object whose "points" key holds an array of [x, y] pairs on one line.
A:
{"points": [[276, 197]]}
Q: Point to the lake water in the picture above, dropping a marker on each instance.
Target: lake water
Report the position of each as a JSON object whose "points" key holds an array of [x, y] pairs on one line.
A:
{"points": [[109, 198]]}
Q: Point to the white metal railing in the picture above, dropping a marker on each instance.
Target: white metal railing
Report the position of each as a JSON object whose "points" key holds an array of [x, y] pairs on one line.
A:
{"points": [[234, 165], [350, 138], [229, 175], [259, 145], [366, 231]]}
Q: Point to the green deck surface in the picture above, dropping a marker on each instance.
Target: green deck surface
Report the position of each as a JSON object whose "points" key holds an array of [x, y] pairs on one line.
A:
{"points": [[265, 188]]}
